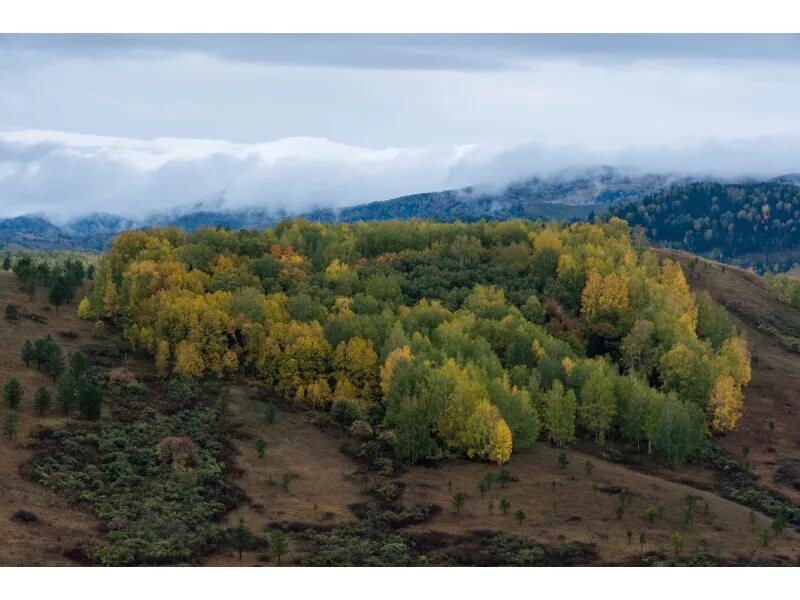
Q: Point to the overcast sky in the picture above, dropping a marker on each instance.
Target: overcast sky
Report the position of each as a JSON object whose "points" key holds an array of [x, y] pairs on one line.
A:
{"points": [[130, 124]]}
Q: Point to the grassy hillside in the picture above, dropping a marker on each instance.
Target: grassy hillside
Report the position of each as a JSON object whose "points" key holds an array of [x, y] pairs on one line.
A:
{"points": [[335, 490]]}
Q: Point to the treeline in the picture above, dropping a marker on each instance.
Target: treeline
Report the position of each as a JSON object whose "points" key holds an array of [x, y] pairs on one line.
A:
{"points": [[439, 339], [722, 221], [785, 287], [61, 276]]}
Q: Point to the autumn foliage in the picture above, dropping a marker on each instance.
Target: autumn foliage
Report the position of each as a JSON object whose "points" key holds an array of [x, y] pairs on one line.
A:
{"points": [[458, 339]]}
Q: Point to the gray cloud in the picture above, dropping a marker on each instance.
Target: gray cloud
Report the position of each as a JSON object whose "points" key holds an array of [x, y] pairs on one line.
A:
{"points": [[184, 118], [64, 175], [419, 51]]}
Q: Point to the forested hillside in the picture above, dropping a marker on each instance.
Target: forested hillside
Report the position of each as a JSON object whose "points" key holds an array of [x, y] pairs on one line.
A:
{"points": [[748, 224], [437, 340]]}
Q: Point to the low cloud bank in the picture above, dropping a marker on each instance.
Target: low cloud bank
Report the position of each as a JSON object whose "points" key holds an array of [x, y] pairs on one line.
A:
{"points": [[64, 175]]}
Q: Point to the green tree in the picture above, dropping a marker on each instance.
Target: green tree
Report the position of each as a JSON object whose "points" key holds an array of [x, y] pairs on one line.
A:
{"points": [[279, 545], [29, 287], [58, 293], [598, 405], [89, 397], [78, 364], [459, 498], [563, 461], [270, 413], [560, 407], [688, 516], [42, 400], [67, 386], [261, 447], [642, 541], [11, 426], [504, 505], [482, 487], [12, 393], [7, 263], [520, 515], [28, 354], [11, 313], [54, 365], [503, 478], [629, 534], [589, 467], [677, 543], [242, 537]]}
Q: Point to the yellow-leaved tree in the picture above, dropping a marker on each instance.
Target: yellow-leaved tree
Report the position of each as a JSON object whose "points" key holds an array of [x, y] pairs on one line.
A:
{"points": [[162, 358], [604, 292], [85, 309], [500, 443], [725, 404], [389, 367], [188, 360]]}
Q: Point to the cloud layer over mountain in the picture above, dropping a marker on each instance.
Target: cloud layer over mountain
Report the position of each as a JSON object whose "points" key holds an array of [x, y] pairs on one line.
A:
{"points": [[63, 175], [404, 113]]}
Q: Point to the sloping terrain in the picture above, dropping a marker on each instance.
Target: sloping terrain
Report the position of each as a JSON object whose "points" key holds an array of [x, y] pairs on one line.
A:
{"points": [[774, 391], [59, 526]]}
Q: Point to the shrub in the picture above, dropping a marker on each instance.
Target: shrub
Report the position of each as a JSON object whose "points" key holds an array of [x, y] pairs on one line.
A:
{"points": [[345, 411], [124, 473]]}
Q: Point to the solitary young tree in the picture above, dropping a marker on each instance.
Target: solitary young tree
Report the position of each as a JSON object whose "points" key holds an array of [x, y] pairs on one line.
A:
{"points": [[261, 447], [270, 412], [458, 501], [41, 401], [520, 515], [28, 354], [278, 543], [11, 426], [677, 543], [642, 541], [688, 516], [563, 461], [12, 313], [504, 505], [12, 393], [504, 478], [242, 538], [482, 487]]}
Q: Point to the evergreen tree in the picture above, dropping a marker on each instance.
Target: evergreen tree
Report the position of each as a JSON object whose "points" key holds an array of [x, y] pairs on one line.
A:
{"points": [[42, 400], [12, 393], [11, 426], [89, 397], [67, 385], [278, 543], [28, 354]]}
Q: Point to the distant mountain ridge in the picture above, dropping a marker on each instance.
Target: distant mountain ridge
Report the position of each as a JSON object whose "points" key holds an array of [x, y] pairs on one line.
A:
{"points": [[567, 196]]}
